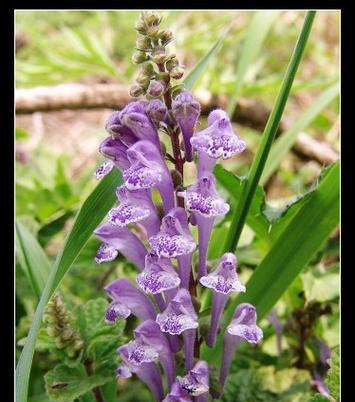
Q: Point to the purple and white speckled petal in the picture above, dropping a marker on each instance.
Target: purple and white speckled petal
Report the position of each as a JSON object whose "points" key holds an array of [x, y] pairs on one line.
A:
{"points": [[137, 177], [157, 282], [105, 253], [175, 324], [168, 246], [123, 371], [125, 214], [116, 311], [138, 352], [104, 169], [196, 382], [250, 333]]}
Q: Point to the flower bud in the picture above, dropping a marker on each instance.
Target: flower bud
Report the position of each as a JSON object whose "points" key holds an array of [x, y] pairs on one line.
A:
{"points": [[163, 77], [136, 90], [52, 331], [176, 178], [159, 56], [152, 18], [143, 80], [171, 63], [156, 89], [140, 26], [143, 43], [165, 36], [139, 57], [177, 72], [152, 31], [148, 69]]}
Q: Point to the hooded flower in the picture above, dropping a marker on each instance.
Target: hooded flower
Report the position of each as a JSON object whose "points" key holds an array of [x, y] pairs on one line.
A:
{"points": [[158, 275], [175, 241], [196, 382], [223, 280], [139, 358], [148, 170], [218, 140], [156, 110], [104, 169], [116, 151], [242, 328], [149, 334], [179, 316], [135, 206], [127, 299], [177, 394], [203, 200], [119, 239], [186, 111]]}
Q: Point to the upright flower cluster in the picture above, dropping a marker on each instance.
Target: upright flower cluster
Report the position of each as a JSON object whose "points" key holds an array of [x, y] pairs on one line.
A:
{"points": [[157, 238]]}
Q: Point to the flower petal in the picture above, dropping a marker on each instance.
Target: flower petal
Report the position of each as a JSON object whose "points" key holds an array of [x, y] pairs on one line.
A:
{"points": [[137, 177], [125, 214], [168, 246], [116, 311], [105, 253], [251, 333], [104, 169]]}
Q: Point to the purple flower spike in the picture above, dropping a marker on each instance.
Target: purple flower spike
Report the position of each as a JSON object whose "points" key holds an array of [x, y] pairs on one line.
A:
{"points": [[104, 169], [149, 333], [179, 316], [223, 280], [158, 275], [121, 239], [177, 394], [186, 111], [218, 140], [149, 170], [139, 358], [196, 382], [127, 299], [135, 206], [203, 200], [156, 110], [243, 327], [135, 117], [116, 151], [175, 241], [118, 130]]}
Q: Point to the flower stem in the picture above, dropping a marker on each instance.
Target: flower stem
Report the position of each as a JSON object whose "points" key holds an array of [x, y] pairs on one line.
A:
{"points": [[96, 390]]}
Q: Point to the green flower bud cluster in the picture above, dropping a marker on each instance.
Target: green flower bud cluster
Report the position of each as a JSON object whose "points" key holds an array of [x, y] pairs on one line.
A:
{"points": [[150, 53], [57, 320]]}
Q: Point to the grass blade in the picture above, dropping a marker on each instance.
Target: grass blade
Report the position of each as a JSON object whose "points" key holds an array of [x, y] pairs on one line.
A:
{"points": [[283, 144], [257, 32], [32, 259], [200, 67], [89, 217], [317, 219], [250, 185]]}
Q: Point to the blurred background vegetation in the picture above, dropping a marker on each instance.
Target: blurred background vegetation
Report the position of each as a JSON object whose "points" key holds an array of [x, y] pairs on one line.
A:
{"points": [[57, 154]]}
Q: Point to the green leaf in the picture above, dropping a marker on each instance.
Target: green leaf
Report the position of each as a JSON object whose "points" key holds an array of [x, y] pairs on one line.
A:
{"points": [[21, 134], [294, 248], [89, 216], [332, 380], [64, 384], [200, 67], [272, 124], [283, 144], [318, 398], [258, 29], [32, 259]]}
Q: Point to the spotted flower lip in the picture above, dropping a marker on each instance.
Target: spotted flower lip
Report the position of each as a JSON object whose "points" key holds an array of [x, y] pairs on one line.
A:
{"points": [[128, 298], [203, 198], [196, 382], [148, 170], [116, 311], [224, 278], [177, 394], [179, 316], [186, 111], [244, 325], [135, 206], [137, 352], [218, 140], [119, 239], [116, 151], [174, 239], [104, 169], [158, 275]]}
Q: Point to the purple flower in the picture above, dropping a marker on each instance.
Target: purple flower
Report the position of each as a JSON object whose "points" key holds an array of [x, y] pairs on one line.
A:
{"points": [[196, 382], [139, 358], [180, 318], [186, 111], [218, 140], [175, 241], [177, 394], [127, 299], [223, 280], [149, 334], [116, 151], [158, 275], [135, 206], [156, 110], [243, 327], [121, 239], [204, 201], [148, 170], [104, 169]]}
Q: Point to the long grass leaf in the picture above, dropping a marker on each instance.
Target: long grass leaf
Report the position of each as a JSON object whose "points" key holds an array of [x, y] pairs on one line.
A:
{"points": [[283, 144], [250, 185], [88, 218]]}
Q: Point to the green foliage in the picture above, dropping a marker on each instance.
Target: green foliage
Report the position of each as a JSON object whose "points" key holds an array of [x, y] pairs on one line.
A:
{"points": [[267, 385], [64, 384], [333, 380]]}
